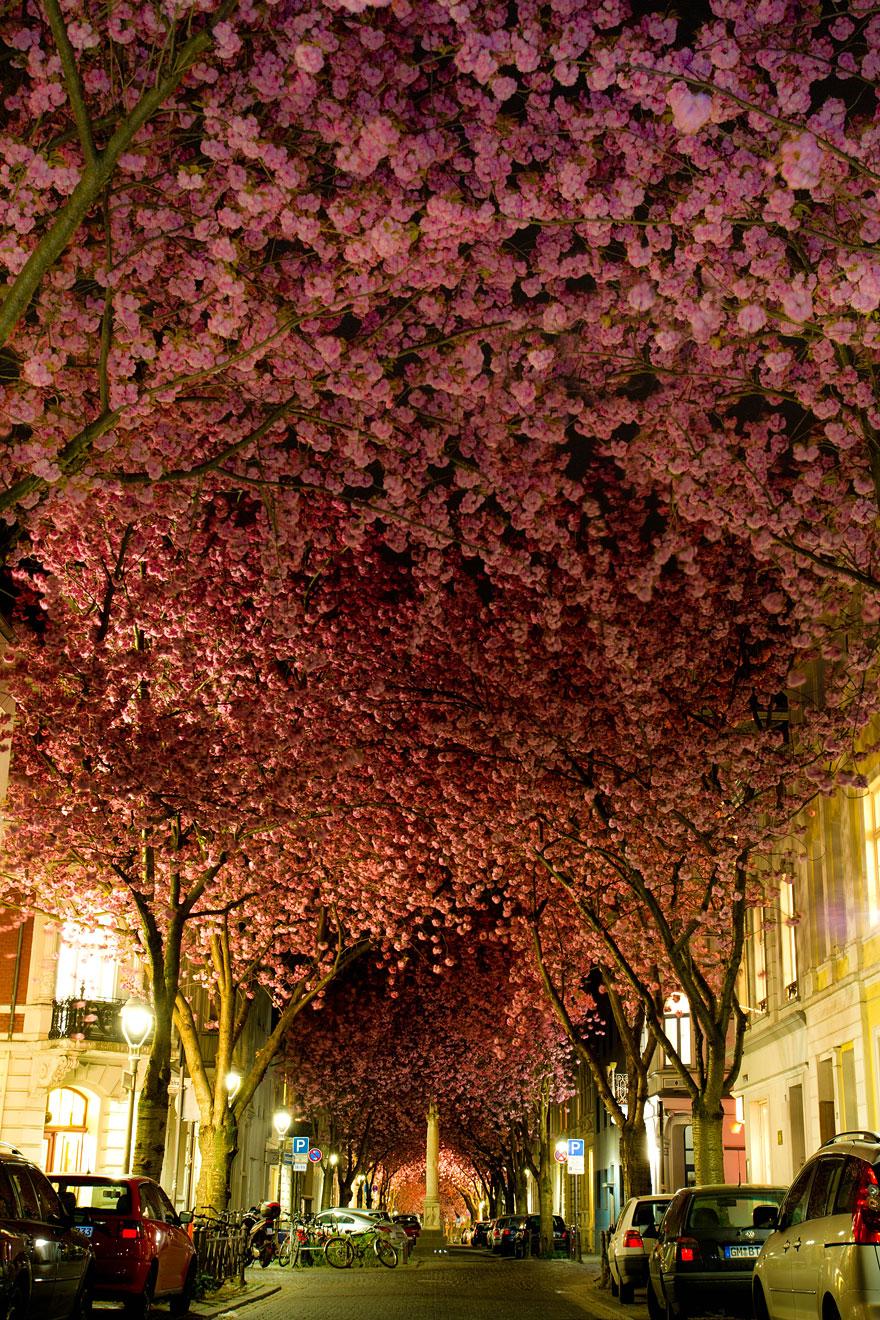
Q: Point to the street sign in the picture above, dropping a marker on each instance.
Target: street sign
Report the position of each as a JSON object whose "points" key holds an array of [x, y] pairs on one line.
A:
{"points": [[286, 1157], [575, 1154], [316, 1155], [301, 1145], [560, 1156], [298, 1166]]}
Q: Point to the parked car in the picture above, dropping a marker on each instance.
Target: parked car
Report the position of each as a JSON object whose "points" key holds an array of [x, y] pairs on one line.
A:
{"points": [[346, 1219], [411, 1224], [479, 1231], [46, 1265], [142, 1250], [834, 1202], [507, 1235], [493, 1233], [528, 1236], [706, 1248], [628, 1245]]}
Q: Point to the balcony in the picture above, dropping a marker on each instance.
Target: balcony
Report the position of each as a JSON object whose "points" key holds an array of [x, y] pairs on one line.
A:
{"points": [[87, 1019]]}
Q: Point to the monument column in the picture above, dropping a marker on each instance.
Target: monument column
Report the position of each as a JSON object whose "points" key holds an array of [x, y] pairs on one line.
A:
{"points": [[431, 1223]]}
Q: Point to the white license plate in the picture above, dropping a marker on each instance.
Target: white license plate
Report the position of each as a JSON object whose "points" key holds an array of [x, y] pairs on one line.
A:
{"points": [[737, 1253]]}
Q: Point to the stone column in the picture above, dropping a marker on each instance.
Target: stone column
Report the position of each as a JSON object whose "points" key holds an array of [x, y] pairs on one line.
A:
{"points": [[431, 1215]]}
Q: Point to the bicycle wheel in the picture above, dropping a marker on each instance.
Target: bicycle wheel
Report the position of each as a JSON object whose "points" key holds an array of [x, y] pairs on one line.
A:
{"points": [[387, 1253], [338, 1252], [283, 1257], [293, 1252]]}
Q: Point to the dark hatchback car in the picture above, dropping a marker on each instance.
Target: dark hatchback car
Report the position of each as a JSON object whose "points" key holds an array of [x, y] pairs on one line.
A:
{"points": [[142, 1251], [45, 1264], [706, 1248], [528, 1240], [411, 1225]]}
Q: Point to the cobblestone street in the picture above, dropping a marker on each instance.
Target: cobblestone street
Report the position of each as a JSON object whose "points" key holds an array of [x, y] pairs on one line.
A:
{"points": [[436, 1288]]}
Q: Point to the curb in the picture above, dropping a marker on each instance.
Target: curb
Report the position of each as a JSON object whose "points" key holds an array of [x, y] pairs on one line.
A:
{"points": [[205, 1310]]}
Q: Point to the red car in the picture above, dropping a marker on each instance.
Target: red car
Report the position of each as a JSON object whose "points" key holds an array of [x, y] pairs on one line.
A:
{"points": [[142, 1251]]}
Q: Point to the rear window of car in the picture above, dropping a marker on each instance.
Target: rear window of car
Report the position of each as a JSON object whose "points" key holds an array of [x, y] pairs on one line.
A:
{"points": [[649, 1212], [729, 1211], [112, 1198]]}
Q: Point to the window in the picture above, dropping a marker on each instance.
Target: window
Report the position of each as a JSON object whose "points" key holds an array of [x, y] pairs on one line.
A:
{"points": [[788, 938], [758, 961], [67, 1147], [24, 1189], [824, 1189], [871, 805], [677, 1026], [86, 963], [794, 1207]]}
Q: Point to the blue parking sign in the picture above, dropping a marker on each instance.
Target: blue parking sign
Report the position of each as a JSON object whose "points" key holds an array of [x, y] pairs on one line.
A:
{"points": [[575, 1147], [300, 1145]]}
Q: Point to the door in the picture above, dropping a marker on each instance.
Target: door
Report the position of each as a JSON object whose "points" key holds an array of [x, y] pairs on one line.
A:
{"points": [[178, 1245], [160, 1234], [43, 1247], [72, 1250], [775, 1264], [824, 1232]]}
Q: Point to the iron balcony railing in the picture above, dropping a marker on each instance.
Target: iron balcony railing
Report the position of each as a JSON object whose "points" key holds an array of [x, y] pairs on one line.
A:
{"points": [[87, 1019]]}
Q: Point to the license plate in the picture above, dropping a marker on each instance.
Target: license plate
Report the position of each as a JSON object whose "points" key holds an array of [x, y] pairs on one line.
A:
{"points": [[85, 1229], [737, 1253]]}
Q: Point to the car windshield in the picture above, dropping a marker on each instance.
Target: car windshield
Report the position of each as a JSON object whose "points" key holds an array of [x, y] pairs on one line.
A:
{"points": [[113, 1198], [729, 1210]]}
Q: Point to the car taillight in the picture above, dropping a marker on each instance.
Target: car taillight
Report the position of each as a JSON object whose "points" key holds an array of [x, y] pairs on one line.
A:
{"points": [[688, 1250], [632, 1238], [130, 1232], [866, 1212], [505, 1232]]}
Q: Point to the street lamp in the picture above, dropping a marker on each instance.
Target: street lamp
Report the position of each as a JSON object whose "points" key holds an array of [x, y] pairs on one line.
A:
{"points": [[281, 1121], [136, 1020], [232, 1082]]}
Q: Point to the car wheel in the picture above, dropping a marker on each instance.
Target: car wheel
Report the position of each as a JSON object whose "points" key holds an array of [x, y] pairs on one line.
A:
{"points": [[139, 1308], [179, 1306], [660, 1310], [626, 1291]]}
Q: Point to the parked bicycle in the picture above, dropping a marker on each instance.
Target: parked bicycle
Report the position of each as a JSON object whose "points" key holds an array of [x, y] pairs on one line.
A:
{"points": [[343, 1249]]}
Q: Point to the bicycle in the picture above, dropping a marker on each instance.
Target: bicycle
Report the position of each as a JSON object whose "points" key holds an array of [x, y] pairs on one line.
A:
{"points": [[343, 1249]]}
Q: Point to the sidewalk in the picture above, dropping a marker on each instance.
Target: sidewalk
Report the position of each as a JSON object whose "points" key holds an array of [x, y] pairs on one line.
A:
{"points": [[232, 1297], [581, 1282]]}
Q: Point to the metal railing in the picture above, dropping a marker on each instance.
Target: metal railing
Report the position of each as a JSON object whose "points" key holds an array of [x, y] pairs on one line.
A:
{"points": [[87, 1019], [220, 1251]]}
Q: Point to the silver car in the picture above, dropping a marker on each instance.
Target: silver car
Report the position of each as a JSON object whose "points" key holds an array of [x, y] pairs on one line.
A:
{"points": [[347, 1219], [822, 1261], [631, 1239]]}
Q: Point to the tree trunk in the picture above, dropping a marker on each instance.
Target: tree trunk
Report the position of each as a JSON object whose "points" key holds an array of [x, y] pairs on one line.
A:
{"points": [[634, 1155], [545, 1199], [708, 1127], [152, 1121], [218, 1146]]}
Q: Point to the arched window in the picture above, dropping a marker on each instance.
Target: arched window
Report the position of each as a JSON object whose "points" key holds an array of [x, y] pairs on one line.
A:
{"points": [[65, 1136]]}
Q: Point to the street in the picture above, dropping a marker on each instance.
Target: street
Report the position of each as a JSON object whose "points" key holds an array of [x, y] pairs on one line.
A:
{"points": [[455, 1287]]}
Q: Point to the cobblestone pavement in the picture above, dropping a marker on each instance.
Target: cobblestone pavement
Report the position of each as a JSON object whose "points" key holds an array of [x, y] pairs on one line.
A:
{"points": [[431, 1288]]}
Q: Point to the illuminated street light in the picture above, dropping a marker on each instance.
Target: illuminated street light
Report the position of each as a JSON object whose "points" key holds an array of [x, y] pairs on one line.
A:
{"points": [[281, 1121], [136, 1019], [232, 1081]]}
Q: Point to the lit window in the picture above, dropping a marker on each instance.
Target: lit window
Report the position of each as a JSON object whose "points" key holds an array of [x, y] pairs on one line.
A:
{"points": [[871, 804], [788, 937], [86, 963], [677, 1026], [758, 987]]}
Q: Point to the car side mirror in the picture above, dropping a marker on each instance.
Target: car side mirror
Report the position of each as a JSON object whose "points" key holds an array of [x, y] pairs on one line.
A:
{"points": [[765, 1216], [185, 1217]]}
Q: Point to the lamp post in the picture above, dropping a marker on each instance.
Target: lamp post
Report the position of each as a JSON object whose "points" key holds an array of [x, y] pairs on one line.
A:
{"points": [[136, 1020], [334, 1160], [232, 1082], [281, 1121]]}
